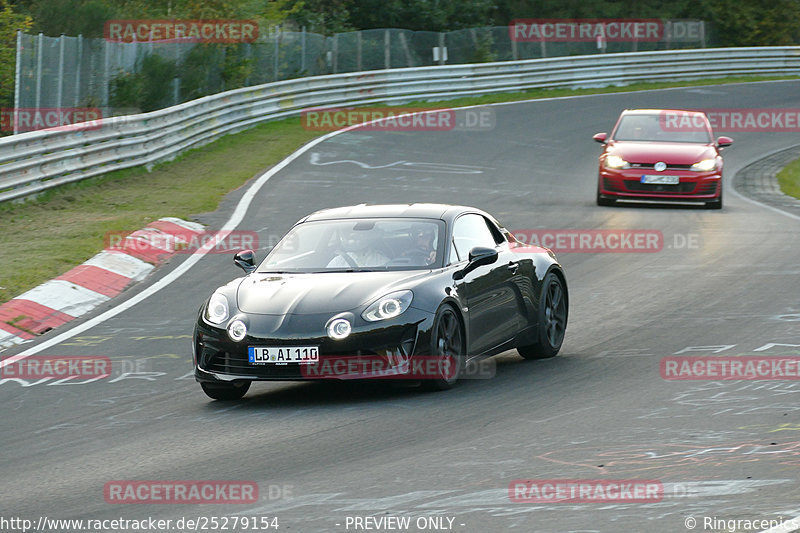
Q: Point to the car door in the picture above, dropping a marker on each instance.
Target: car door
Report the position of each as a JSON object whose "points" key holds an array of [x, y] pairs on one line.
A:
{"points": [[493, 315]]}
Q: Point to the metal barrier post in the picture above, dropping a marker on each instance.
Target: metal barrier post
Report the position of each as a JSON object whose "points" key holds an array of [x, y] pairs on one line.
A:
{"points": [[39, 52], [17, 82], [59, 98]]}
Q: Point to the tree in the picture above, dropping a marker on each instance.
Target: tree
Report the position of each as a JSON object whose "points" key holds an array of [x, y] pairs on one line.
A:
{"points": [[10, 22], [71, 17], [425, 15], [739, 23]]}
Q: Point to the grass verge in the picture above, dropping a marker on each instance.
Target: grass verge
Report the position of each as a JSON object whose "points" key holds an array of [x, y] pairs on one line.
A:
{"points": [[789, 179], [45, 237]]}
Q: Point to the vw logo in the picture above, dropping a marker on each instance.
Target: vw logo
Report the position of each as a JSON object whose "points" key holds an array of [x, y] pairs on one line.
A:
{"points": [[660, 166]]}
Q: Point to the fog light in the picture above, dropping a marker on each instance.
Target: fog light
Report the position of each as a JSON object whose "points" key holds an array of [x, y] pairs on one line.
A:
{"points": [[339, 329], [237, 330]]}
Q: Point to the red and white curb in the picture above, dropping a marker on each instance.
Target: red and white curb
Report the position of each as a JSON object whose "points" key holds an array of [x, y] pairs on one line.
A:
{"points": [[99, 279]]}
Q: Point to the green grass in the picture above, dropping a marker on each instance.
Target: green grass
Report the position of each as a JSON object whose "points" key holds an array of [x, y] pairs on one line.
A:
{"points": [[44, 237], [789, 179]]}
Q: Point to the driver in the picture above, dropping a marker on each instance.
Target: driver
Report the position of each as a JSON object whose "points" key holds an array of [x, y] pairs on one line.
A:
{"points": [[422, 237], [357, 245]]}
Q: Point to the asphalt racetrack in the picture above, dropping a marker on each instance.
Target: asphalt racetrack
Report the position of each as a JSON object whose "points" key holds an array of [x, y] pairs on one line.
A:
{"points": [[339, 457]]}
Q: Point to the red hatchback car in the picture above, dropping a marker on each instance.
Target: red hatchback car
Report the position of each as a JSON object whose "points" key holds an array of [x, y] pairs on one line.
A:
{"points": [[662, 155]]}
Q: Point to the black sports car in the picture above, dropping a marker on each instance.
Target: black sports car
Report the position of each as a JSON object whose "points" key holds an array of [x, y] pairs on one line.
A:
{"points": [[377, 291]]}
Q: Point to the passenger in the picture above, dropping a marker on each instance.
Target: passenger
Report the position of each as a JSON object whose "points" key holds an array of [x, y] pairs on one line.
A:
{"points": [[357, 246]]}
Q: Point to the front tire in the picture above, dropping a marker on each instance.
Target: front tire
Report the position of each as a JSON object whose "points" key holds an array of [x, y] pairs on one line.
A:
{"points": [[602, 201], [716, 204], [226, 392], [447, 343], [553, 312]]}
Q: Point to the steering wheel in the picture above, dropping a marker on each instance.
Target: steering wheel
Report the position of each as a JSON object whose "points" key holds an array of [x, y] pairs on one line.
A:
{"points": [[417, 257], [349, 260]]}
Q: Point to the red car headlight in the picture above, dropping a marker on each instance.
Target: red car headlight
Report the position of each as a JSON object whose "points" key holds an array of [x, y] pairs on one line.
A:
{"points": [[706, 165], [615, 161]]}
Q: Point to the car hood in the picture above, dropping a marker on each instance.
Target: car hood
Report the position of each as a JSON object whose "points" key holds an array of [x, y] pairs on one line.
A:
{"points": [[328, 292], [669, 153]]}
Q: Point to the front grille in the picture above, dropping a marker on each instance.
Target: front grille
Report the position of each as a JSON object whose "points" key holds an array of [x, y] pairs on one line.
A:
{"points": [[218, 355], [228, 363], [238, 364], [707, 188], [681, 188], [669, 167], [611, 186]]}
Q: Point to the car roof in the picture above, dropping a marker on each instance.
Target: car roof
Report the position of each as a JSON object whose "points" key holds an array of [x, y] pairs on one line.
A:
{"points": [[658, 111], [420, 210]]}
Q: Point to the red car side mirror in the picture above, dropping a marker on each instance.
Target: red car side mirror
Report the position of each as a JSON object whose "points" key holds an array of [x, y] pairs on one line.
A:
{"points": [[724, 141], [600, 137]]}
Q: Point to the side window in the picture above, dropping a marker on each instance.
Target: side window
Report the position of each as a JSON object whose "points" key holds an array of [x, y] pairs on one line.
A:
{"points": [[471, 231], [453, 254]]}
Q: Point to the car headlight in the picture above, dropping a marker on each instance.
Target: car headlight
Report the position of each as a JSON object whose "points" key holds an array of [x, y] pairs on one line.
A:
{"points": [[237, 330], [217, 309], [389, 306], [705, 165], [339, 329], [615, 161]]}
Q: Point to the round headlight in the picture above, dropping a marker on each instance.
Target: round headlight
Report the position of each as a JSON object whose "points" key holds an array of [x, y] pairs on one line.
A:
{"points": [[217, 310], [339, 329], [237, 330], [390, 308]]}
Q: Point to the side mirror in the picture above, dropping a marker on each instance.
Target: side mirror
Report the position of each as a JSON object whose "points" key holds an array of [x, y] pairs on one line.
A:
{"points": [[724, 141], [246, 260], [600, 137], [478, 256]]}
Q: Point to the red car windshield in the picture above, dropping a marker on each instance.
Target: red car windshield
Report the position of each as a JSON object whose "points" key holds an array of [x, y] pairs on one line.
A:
{"points": [[657, 128]]}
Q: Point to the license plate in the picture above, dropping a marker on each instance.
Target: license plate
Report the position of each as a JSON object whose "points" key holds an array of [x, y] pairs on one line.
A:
{"points": [[659, 179], [281, 355]]}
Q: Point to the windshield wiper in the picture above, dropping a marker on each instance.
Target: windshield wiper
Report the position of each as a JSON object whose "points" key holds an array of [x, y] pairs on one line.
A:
{"points": [[338, 270]]}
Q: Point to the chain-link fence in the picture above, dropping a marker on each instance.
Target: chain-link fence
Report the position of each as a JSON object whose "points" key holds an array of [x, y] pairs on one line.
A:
{"points": [[123, 78]]}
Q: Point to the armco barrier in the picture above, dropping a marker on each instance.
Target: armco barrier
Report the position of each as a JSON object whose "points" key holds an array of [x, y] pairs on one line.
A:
{"points": [[34, 161]]}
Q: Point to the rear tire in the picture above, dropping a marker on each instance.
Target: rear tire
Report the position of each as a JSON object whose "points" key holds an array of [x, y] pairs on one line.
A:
{"points": [[447, 341], [553, 312], [226, 392]]}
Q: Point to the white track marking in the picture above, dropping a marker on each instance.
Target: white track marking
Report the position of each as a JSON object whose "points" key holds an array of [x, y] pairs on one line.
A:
{"points": [[122, 264], [9, 339], [64, 296]]}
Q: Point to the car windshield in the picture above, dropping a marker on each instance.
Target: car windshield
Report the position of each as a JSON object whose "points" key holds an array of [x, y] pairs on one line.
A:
{"points": [[661, 127], [351, 245]]}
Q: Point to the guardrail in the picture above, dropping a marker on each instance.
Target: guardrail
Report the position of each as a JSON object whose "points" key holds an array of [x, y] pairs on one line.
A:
{"points": [[36, 161]]}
